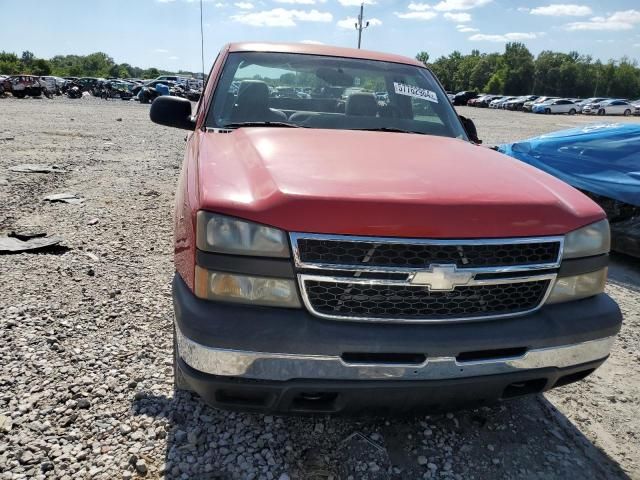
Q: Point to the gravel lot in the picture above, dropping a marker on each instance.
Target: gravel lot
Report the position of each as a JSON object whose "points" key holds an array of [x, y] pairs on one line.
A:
{"points": [[86, 378]]}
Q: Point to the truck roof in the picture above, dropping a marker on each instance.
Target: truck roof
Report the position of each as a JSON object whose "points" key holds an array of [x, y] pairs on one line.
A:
{"points": [[328, 50]]}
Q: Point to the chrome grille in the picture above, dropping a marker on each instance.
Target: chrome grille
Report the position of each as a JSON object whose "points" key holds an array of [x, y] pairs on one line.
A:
{"points": [[415, 280]]}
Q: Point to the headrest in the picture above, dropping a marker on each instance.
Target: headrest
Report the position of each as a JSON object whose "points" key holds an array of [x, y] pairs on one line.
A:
{"points": [[253, 93], [362, 104]]}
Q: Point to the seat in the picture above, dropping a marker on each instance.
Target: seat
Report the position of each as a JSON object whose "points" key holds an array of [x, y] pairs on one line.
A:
{"points": [[361, 104], [252, 104]]}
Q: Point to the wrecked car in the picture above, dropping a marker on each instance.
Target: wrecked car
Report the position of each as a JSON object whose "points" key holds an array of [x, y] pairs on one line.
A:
{"points": [[602, 161], [21, 86], [345, 256]]}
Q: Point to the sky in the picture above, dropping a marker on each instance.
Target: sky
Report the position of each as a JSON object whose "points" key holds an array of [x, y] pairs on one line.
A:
{"points": [[166, 33]]}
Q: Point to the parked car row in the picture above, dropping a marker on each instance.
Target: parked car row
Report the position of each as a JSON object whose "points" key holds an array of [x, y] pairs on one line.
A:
{"points": [[21, 86], [553, 105]]}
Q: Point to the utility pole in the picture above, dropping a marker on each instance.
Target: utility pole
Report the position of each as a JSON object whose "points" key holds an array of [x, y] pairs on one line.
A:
{"points": [[359, 25]]}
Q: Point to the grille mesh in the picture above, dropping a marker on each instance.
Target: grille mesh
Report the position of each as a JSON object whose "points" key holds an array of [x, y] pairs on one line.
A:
{"points": [[339, 252], [417, 302]]}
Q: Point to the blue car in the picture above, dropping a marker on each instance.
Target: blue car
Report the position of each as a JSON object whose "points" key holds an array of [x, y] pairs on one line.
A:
{"points": [[603, 161]]}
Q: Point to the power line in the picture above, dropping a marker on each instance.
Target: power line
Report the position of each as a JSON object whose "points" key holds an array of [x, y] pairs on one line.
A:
{"points": [[201, 40], [359, 25]]}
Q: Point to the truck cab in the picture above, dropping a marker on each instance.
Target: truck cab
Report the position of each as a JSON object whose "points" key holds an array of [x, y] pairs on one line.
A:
{"points": [[340, 255]]}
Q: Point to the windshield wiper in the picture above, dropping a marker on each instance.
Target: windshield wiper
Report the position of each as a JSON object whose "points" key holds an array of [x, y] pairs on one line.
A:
{"points": [[262, 124], [389, 129]]}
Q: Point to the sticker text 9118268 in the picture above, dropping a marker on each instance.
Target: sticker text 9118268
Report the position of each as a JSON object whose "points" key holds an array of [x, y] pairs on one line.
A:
{"points": [[415, 92]]}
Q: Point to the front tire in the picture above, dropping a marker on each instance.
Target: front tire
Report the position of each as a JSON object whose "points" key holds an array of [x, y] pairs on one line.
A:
{"points": [[572, 111], [627, 112], [547, 111], [601, 112]]}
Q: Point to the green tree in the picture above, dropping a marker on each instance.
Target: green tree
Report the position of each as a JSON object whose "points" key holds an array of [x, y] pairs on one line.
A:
{"points": [[40, 67], [495, 83], [9, 63], [519, 68], [423, 57]]}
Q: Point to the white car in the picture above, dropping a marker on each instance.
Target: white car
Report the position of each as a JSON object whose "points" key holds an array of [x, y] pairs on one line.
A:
{"points": [[609, 107], [497, 103], [560, 105]]}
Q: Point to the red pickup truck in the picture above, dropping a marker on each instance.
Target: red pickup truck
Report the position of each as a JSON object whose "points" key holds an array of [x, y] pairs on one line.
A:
{"points": [[345, 246]]}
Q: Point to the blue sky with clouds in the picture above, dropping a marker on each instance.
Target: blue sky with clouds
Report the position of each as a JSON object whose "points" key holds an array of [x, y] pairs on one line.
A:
{"points": [[166, 33]]}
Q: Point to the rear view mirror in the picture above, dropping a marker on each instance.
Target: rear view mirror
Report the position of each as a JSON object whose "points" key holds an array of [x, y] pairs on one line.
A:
{"points": [[172, 112], [335, 76]]}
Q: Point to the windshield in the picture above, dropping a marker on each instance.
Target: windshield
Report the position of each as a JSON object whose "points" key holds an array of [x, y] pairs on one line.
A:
{"points": [[313, 91]]}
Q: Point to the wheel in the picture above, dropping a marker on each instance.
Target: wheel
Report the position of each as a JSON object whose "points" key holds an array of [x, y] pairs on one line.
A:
{"points": [[547, 111], [19, 94], [601, 112], [572, 111], [627, 112], [179, 382]]}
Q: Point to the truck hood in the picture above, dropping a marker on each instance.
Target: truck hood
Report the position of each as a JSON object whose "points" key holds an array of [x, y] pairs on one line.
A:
{"points": [[381, 183]]}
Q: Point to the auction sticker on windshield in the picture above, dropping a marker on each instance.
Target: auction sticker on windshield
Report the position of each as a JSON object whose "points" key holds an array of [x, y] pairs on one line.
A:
{"points": [[415, 92]]}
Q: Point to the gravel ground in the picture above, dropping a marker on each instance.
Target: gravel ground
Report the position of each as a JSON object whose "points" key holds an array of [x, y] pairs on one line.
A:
{"points": [[86, 378]]}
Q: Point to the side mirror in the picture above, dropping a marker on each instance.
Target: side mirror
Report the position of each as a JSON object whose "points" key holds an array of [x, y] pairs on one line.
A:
{"points": [[470, 128], [172, 112]]}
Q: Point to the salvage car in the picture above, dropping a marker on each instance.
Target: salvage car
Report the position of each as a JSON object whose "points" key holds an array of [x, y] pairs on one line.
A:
{"points": [[561, 105], [347, 256], [609, 107], [22, 86], [600, 160]]}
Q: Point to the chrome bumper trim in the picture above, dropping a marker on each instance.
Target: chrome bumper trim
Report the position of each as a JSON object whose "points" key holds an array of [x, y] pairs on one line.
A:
{"points": [[283, 366]]}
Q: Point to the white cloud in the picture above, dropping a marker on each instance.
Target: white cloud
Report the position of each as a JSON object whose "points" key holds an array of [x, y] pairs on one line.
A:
{"points": [[312, 42], [173, 57], [623, 20], [161, 50], [281, 17], [350, 22], [299, 2], [562, 9], [451, 5], [507, 37], [165, 1], [458, 17], [356, 3], [419, 7], [416, 15], [244, 5], [466, 29], [220, 5]]}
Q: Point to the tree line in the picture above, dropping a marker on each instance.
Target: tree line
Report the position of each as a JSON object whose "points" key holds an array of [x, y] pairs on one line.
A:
{"points": [[518, 72], [97, 64]]}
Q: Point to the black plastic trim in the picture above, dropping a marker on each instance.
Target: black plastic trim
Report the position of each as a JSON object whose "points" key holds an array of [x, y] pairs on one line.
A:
{"points": [[578, 266], [368, 397], [258, 266]]}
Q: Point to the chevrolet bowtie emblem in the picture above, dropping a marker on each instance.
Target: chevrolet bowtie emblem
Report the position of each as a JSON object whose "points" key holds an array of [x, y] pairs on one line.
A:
{"points": [[442, 277]]}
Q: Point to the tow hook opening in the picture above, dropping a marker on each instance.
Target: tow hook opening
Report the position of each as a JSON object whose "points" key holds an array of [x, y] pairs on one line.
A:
{"points": [[364, 358], [488, 355], [315, 401], [527, 387], [573, 377]]}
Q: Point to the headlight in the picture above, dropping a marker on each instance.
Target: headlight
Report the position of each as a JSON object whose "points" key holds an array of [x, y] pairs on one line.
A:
{"points": [[594, 239], [228, 287], [580, 286], [222, 234]]}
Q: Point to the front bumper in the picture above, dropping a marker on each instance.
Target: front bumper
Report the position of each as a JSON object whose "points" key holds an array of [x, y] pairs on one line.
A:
{"points": [[292, 360]]}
